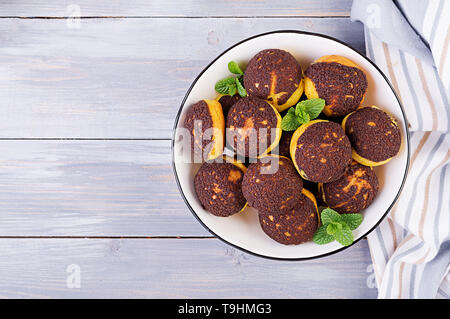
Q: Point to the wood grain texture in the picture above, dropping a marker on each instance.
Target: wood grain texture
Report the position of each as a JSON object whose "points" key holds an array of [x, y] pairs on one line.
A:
{"points": [[124, 77], [118, 78], [126, 188], [91, 188], [179, 8], [174, 268]]}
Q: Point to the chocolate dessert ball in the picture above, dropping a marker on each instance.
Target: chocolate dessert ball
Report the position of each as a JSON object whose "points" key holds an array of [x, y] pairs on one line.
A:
{"points": [[272, 185], [321, 151], [253, 127], [296, 226], [337, 80], [205, 122], [218, 187], [353, 192], [276, 76], [374, 135]]}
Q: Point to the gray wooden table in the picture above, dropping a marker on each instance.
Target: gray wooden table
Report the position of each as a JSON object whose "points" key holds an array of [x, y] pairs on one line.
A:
{"points": [[88, 202]]}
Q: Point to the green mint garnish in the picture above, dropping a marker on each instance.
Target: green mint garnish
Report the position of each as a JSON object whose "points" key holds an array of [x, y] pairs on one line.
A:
{"points": [[232, 85], [336, 227], [321, 236], [352, 220], [234, 68], [329, 215], [232, 89], [302, 113], [289, 121], [240, 88], [333, 228], [344, 236], [223, 86], [313, 107]]}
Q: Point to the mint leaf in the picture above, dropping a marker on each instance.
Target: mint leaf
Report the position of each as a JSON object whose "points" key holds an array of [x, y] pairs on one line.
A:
{"points": [[298, 108], [344, 236], [240, 88], [313, 107], [352, 220], [232, 85], [302, 116], [337, 227], [321, 236], [241, 79], [332, 229], [291, 111], [232, 89], [328, 216], [302, 113], [234, 68], [290, 121], [223, 86]]}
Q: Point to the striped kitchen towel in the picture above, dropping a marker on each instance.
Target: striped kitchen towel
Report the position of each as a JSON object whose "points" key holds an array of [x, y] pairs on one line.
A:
{"points": [[409, 41]]}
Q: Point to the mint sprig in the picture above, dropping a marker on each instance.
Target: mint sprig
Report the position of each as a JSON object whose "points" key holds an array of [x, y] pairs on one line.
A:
{"points": [[232, 85], [313, 107], [302, 113], [234, 68], [226, 86], [240, 88], [290, 122], [336, 227]]}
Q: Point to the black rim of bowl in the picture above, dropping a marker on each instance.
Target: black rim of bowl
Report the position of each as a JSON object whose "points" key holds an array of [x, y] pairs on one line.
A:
{"points": [[295, 258]]}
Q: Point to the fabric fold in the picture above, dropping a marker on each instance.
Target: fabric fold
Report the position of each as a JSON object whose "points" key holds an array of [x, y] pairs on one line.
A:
{"points": [[410, 249]]}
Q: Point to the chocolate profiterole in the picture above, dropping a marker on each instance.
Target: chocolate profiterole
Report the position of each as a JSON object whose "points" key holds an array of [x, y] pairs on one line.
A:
{"points": [[321, 151], [337, 80], [296, 226], [218, 187], [353, 192], [272, 185], [205, 122], [374, 135], [253, 127], [276, 76]]}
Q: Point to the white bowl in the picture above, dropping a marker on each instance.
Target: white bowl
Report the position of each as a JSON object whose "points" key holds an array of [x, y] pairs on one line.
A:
{"points": [[243, 230]]}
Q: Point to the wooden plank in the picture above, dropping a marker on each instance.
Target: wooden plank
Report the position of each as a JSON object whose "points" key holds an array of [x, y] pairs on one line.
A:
{"points": [[179, 8], [119, 78], [173, 268], [91, 188]]}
